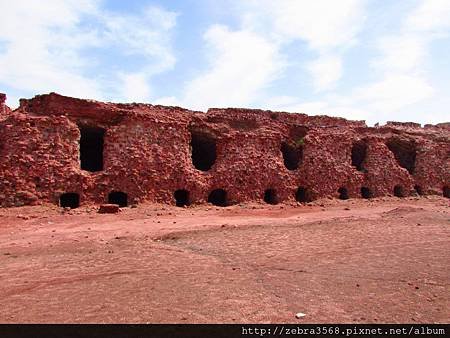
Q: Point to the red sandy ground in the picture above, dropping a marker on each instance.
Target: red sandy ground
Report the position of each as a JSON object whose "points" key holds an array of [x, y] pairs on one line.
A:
{"points": [[383, 260]]}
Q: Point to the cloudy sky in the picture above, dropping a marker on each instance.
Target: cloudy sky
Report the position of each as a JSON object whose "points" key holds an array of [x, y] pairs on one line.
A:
{"points": [[376, 60]]}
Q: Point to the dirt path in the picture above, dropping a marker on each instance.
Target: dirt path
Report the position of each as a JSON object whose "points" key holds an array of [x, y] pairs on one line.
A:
{"points": [[384, 260]]}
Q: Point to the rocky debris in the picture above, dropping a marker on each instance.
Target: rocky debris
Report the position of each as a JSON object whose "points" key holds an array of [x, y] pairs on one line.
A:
{"points": [[2, 103], [4, 109], [109, 209]]}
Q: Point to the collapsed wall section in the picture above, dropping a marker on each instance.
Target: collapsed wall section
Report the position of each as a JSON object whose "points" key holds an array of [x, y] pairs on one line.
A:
{"points": [[73, 152], [4, 109]]}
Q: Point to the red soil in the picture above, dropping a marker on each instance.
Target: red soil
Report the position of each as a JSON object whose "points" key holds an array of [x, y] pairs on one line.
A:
{"points": [[356, 261]]}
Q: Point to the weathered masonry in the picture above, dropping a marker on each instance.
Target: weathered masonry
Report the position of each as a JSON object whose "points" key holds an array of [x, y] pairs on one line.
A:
{"points": [[74, 152]]}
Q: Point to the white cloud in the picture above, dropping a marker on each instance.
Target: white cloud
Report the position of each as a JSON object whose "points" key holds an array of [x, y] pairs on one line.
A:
{"points": [[169, 101], [326, 71], [401, 53], [241, 64], [407, 50], [328, 28], [256, 49], [401, 84], [45, 42], [135, 87], [323, 24], [430, 16], [35, 58], [401, 89], [401, 64], [43, 46], [392, 98], [146, 34], [394, 92]]}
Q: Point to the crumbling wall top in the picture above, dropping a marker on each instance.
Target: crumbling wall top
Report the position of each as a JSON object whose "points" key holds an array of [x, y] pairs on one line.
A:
{"points": [[4, 109], [444, 125], [283, 117], [105, 113], [403, 124]]}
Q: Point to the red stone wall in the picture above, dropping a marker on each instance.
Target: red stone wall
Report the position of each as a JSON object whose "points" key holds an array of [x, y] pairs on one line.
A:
{"points": [[4, 109], [147, 153]]}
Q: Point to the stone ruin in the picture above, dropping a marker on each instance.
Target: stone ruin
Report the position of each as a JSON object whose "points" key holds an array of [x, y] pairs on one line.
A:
{"points": [[73, 152]]}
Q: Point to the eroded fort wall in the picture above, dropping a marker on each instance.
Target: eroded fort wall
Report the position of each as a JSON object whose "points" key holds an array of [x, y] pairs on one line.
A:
{"points": [[148, 154]]}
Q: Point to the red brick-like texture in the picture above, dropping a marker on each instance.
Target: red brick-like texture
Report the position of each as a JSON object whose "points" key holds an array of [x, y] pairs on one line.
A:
{"points": [[147, 154]]}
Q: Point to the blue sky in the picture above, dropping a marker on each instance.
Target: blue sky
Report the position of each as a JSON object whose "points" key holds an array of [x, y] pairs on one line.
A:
{"points": [[372, 60]]}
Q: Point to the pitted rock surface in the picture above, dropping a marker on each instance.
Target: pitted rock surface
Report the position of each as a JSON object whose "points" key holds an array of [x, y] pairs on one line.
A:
{"points": [[157, 154]]}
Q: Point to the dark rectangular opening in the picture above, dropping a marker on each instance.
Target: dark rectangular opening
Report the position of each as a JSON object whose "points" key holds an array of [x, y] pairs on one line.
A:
{"points": [[181, 198], [69, 200], [446, 191], [203, 147], [218, 197], [366, 192], [270, 196], [292, 155], [303, 195], [399, 191], [118, 197], [91, 148], [359, 152], [404, 152], [343, 193]]}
